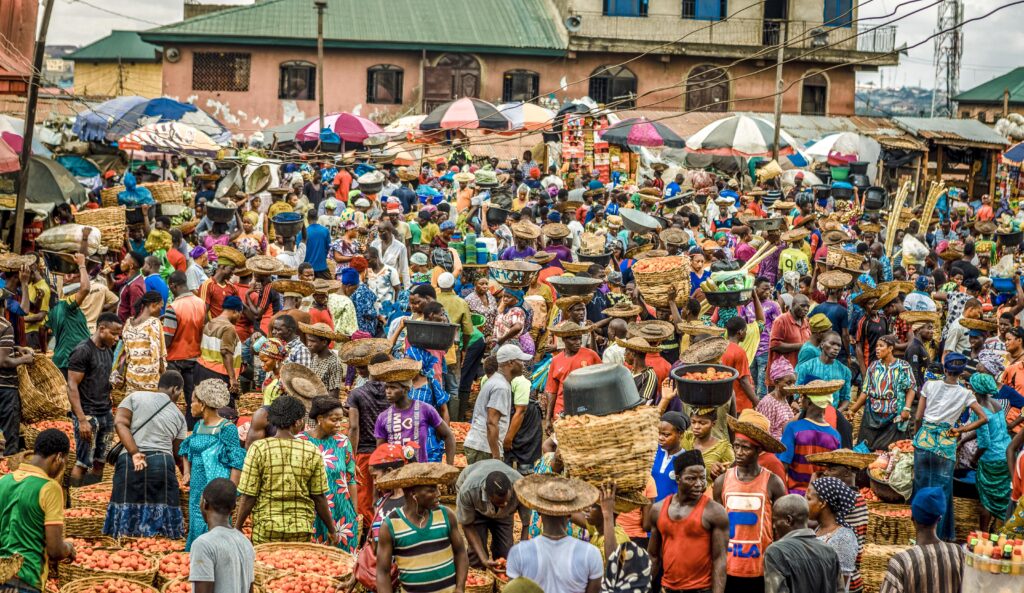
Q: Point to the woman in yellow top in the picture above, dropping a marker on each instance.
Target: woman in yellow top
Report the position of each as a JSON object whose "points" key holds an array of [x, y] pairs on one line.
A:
{"points": [[272, 353], [250, 241], [718, 455]]}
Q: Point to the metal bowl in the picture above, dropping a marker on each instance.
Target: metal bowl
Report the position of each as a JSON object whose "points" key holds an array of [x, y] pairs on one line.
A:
{"points": [[574, 285], [514, 274], [638, 222], [599, 390]]}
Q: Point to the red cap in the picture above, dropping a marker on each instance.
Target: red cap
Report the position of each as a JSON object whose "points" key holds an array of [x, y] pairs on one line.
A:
{"points": [[110, 174], [535, 173], [440, 161], [394, 207], [387, 453], [800, 175]]}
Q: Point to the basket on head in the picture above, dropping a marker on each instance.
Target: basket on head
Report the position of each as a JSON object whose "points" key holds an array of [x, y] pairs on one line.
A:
{"points": [[697, 328], [835, 279], [12, 262], [816, 387], [623, 311], [979, 324], [398, 370], [166, 192], [707, 351], [418, 474], [655, 277], [359, 352], [838, 257], [108, 195], [301, 382], [576, 267], [615, 447], [322, 330], [912, 317], [844, 457], [900, 286], [952, 252], [111, 222], [264, 265]]}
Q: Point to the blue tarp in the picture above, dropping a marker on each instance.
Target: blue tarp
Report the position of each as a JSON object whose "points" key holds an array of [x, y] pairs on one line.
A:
{"points": [[92, 125], [78, 166]]}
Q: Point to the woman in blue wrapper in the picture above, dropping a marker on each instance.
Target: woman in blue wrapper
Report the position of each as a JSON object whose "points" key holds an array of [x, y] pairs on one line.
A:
{"points": [[428, 388]]}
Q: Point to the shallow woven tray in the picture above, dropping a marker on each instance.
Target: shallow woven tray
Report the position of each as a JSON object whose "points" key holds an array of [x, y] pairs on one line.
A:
{"points": [[9, 566]]}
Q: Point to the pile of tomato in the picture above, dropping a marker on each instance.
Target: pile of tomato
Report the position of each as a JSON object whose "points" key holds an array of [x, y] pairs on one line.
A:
{"points": [[710, 374], [174, 565], [301, 583], [154, 545], [304, 561], [113, 560], [116, 586], [81, 513]]}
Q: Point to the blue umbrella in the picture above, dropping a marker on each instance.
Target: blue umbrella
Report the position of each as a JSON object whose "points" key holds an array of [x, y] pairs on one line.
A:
{"points": [[166, 110], [1015, 154], [91, 125]]}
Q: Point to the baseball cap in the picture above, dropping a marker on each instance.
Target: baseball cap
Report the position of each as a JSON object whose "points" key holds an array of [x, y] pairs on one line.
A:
{"points": [[510, 352]]}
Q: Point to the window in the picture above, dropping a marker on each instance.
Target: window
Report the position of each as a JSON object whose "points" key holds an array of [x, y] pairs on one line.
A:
{"points": [[519, 85], [625, 7], [220, 71], [838, 13], [297, 81], [618, 84], [707, 89], [705, 10], [384, 84], [814, 99]]}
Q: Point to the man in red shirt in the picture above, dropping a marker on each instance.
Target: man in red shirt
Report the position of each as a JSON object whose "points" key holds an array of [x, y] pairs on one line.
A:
{"points": [[736, 357], [342, 183], [575, 356], [790, 331], [175, 257], [183, 322]]}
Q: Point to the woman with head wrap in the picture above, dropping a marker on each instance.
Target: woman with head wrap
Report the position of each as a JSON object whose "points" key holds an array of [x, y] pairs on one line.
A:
{"points": [[830, 500], [271, 353], [427, 388], [993, 438], [251, 241], [717, 453], [142, 354], [195, 274], [777, 406], [820, 325], [513, 321], [670, 434]]}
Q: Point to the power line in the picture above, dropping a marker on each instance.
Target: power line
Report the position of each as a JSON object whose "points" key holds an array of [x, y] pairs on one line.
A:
{"points": [[115, 13]]}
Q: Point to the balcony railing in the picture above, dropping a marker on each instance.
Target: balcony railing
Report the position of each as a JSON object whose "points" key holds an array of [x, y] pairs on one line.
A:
{"points": [[734, 31]]}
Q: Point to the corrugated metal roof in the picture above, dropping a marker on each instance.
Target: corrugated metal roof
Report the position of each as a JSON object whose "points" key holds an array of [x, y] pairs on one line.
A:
{"points": [[501, 26], [951, 130], [123, 45], [992, 91]]}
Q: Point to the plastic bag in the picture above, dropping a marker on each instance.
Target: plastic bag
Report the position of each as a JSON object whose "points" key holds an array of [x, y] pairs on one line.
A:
{"points": [[914, 251], [67, 238], [1003, 269], [902, 477]]}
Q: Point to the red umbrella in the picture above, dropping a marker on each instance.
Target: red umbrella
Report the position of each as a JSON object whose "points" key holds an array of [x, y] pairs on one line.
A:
{"points": [[348, 127]]}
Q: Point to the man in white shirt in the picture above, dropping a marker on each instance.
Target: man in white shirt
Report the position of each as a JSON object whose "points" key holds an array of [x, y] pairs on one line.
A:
{"points": [[552, 179], [392, 252], [615, 354]]}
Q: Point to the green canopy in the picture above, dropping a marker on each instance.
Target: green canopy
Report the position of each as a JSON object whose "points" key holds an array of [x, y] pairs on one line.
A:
{"points": [[49, 184]]}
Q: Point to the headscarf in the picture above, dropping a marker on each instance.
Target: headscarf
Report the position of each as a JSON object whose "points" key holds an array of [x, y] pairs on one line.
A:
{"points": [[677, 420], [197, 252], [427, 362], [839, 497], [274, 349], [158, 241], [954, 363], [213, 393], [819, 322], [780, 368], [921, 283], [983, 384], [349, 277], [251, 217], [928, 506], [518, 294], [359, 263], [628, 570]]}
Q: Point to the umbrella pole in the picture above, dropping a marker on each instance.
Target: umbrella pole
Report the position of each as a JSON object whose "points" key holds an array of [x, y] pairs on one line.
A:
{"points": [[778, 90]]}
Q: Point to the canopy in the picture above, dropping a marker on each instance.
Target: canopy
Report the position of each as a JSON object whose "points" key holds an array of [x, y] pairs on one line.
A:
{"points": [[164, 110], [527, 116], [170, 137], [466, 113], [740, 135], [349, 127], [12, 131], [50, 184], [639, 131], [404, 125], [1014, 154], [91, 125]]}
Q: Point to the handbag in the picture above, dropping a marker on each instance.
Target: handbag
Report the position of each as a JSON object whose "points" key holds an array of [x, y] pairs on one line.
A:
{"points": [[117, 449], [366, 567]]}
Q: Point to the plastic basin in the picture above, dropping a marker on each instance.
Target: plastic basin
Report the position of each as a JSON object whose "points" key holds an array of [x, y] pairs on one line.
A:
{"points": [[430, 335], [704, 393]]}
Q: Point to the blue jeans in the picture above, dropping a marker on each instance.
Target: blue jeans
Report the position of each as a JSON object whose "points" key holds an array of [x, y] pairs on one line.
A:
{"points": [[95, 449], [758, 373], [935, 470]]}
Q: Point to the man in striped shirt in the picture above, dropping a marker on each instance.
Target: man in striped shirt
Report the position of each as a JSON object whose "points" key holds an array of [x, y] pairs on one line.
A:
{"points": [[932, 565]]}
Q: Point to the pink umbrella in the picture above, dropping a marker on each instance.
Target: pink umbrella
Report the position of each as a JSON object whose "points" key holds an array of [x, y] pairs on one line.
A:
{"points": [[348, 127], [8, 158]]}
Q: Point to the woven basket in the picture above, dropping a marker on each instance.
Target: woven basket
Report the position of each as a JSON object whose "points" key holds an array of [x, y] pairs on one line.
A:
{"points": [[886, 529], [68, 466], [166, 192], [75, 572], [9, 566], [966, 516], [874, 561], [82, 498], [102, 541], [617, 446], [336, 562], [857, 419], [108, 195], [110, 221], [29, 434], [500, 580], [134, 543], [91, 526], [675, 266], [248, 403], [177, 586], [275, 585], [43, 391], [654, 286], [840, 258], [161, 578], [83, 584], [488, 587], [117, 395]]}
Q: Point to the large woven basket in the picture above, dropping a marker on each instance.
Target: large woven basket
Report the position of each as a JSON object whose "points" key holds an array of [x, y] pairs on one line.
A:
{"points": [[9, 566], [85, 583], [96, 496], [840, 258], [654, 286], [144, 545], [75, 572], [166, 192], [43, 391], [280, 584], [177, 586], [102, 541], [91, 526], [110, 221], [874, 561], [108, 195], [487, 587], [966, 514], [29, 434], [117, 395], [618, 446], [162, 575], [335, 564], [890, 524]]}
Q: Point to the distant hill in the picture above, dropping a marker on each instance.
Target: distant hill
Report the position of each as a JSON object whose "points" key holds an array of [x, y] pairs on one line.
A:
{"points": [[887, 102]]}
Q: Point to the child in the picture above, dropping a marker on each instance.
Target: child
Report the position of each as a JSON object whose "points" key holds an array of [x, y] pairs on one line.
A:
{"points": [[222, 559]]}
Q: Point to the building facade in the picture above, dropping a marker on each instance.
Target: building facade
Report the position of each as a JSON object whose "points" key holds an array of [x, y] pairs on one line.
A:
{"points": [[255, 66], [119, 64], [995, 99]]}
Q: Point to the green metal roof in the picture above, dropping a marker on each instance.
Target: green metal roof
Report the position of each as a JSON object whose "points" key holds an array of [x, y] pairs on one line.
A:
{"points": [[123, 45], [992, 91], [496, 26]]}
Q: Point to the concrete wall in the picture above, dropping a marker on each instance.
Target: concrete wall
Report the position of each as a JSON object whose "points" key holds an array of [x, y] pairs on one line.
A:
{"points": [[659, 83], [102, 79]]}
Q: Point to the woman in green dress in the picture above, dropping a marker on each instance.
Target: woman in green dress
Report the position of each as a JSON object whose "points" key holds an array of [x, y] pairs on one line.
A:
{"points": [[213, 450], [718, 455], [340, 463]]}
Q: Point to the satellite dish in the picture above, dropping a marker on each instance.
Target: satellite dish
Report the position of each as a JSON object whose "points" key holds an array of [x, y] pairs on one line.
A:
{"points": [[573, 23], [172, 54]]}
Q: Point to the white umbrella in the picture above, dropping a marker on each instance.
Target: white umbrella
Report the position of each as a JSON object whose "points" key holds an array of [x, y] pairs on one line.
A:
{"points": [[404, 125], [741, 135], [170, 136], [843, 143]]}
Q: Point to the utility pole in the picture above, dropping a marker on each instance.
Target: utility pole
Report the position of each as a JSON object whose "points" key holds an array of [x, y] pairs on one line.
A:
{"points": [[780, 56], [30, 125], [320, 6], [120, 77]]}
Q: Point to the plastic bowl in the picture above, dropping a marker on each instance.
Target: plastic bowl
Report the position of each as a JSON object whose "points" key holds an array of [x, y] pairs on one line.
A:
{"points": [[704, 393], [430, 335], [515, 274], [219, 213], [287, 224], [729, 298], [601, 259], [574, 286]]}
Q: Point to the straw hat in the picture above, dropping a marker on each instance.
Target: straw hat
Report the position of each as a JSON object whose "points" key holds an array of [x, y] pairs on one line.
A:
{"points": [[418, 474], [754, 431], [464, 178], [674, 236], [300, 381], [797, 234], [806, 219], [623, 311], [568, 329], [626, 501], [979, 324], [869, 294], [706, 351], [230, 255], [405, 174], [653, 330], [264, 265], [637, 344], [835, 237], [784, 205], [525, 230], [541, 257], [904, 286], [844, 457], [359, 352], [566, 303], [322, 330], [985, 227], [555, 230], [697, 328], [321, 286], [292, 287], [835, 279], [870, 227], [913, 317], [555, 496], [396, 371], [886, 298], [816, 387]]}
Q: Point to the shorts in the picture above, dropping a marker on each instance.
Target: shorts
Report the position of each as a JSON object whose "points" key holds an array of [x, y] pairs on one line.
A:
{"points": [[95, 449]]}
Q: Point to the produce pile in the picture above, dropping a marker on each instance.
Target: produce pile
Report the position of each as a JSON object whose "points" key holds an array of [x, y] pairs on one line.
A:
{"points": [[306, 560], [116, 586], [113, 560], [302, 583], [174, 566], [710, 374], [895, 467]]}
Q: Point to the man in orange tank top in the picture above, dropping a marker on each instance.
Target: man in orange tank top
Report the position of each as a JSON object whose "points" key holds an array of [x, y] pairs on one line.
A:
{"points": [[689, 533], [748, 491]]}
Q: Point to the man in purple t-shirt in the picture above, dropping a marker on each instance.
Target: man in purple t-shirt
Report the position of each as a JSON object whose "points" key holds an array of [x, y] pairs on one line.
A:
{"points": [[758, 367], [407, 421], [524, 234]]}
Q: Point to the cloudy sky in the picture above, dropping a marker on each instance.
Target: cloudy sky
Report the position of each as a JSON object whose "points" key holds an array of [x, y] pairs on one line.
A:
{"points": [[991, 45]]}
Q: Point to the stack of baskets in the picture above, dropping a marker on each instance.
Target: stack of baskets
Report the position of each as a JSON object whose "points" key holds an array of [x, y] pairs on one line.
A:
{"points": [[111, 222], [166, 192], [890, 524], [84, 521], [656, 275], [873, 564], [43, 391]]}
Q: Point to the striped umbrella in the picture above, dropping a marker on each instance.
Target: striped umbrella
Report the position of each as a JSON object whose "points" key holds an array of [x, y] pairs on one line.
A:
{"points": [[466, 113], [170, 136], [527, 116], [639, 131], [740, 135], [350, 128]]}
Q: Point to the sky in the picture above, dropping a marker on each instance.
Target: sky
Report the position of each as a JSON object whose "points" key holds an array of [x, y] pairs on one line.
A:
{"points": [[989, 48]]}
